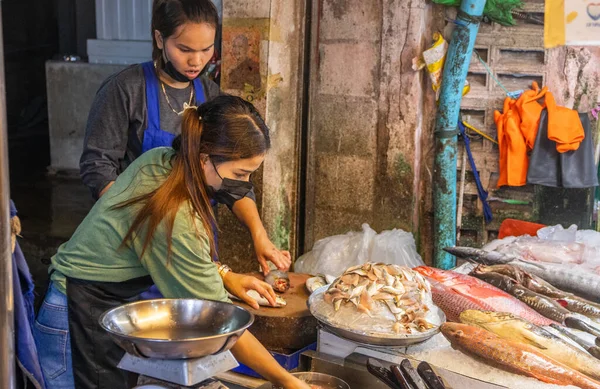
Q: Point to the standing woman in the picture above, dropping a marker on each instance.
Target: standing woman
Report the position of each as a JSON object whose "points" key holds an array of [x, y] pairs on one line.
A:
{"points": [[153, 225], [141, 107]]}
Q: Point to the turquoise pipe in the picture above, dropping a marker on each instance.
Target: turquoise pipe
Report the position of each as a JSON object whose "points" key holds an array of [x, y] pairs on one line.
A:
{"points": [[456, 67]]}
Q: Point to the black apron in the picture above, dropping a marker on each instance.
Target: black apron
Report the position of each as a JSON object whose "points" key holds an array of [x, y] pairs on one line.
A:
{"points": [[95, 356], [572, 169]]}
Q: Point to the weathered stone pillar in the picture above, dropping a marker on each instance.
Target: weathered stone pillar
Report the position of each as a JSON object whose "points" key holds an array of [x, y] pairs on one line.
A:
{"points": [[262, 57], [284, 112]]}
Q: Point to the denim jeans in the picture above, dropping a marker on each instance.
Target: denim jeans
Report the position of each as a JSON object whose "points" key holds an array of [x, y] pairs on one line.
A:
{"points": [[51, 334]]}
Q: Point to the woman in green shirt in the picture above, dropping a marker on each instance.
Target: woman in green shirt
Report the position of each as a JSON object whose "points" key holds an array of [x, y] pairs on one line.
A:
{"points": [[153, 226]]}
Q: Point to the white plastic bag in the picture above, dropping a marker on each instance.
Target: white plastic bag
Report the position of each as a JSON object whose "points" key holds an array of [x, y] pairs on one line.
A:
{"points": [[554, 244], [557, 232], [588, 239], [334, 254], [396, 247]]}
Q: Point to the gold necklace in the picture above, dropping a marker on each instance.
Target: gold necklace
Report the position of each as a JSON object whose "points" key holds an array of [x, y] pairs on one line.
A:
{"points": [[185, 105]]}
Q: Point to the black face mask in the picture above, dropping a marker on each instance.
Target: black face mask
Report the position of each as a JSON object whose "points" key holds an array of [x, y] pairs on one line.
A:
{"points": [[174, 74], [230, 191], [170, 69]]}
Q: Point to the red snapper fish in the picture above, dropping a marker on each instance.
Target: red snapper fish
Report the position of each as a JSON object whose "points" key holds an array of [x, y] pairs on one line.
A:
{"points": [[458, 292]]}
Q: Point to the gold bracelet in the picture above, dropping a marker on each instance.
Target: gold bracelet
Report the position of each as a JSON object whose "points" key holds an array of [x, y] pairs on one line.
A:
{"points": [[223, 270]]}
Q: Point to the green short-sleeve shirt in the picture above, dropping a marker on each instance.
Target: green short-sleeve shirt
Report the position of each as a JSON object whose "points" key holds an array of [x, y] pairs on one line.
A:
{"points": [[93, 251]]}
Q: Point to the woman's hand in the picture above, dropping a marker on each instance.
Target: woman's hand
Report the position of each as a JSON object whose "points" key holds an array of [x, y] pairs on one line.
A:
{"points": [[245, 209], [239, 284], [267, 252]]}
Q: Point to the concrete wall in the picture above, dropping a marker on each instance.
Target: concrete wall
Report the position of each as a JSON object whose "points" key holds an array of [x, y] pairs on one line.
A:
{"points": [[370, 117], [71, 87]]}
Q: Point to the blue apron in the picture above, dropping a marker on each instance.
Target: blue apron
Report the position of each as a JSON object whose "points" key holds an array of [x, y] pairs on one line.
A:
{"points": [[155, 137]]}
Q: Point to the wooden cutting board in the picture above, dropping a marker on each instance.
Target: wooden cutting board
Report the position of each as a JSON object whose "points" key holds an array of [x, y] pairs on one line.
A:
{"points": [[289, 328]]}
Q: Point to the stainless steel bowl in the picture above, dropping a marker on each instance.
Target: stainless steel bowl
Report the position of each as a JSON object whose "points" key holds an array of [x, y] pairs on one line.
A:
{"points": [[371, 338], [176, 328], [324, 381]]}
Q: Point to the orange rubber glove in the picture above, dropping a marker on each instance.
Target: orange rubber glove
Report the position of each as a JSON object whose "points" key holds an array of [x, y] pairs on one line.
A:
{"points": [[564, 126]]}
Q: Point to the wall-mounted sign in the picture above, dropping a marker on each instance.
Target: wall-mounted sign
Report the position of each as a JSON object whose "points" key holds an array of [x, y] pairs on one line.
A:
{"points": [[572, 23]]}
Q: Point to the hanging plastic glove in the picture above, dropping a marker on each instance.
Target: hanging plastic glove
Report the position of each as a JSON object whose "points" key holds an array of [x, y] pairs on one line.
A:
{"points": [[564, 126], [530, 111]]}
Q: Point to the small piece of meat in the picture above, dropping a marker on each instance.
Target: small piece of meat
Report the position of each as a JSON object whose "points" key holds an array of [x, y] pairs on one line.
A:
{"points": [[278, 280]]}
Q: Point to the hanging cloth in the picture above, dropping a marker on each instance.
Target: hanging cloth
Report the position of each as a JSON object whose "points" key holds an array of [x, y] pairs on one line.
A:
{"points": [[518, 127], [481, 192], [23, 298], [571, 169]]}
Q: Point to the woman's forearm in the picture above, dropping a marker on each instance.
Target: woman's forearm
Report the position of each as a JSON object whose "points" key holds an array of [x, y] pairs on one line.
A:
{"points": [[249, 351], [245, 209]]}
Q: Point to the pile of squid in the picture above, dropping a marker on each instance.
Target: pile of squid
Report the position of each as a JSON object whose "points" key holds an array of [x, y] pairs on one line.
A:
{"points": [[403, 291]]}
